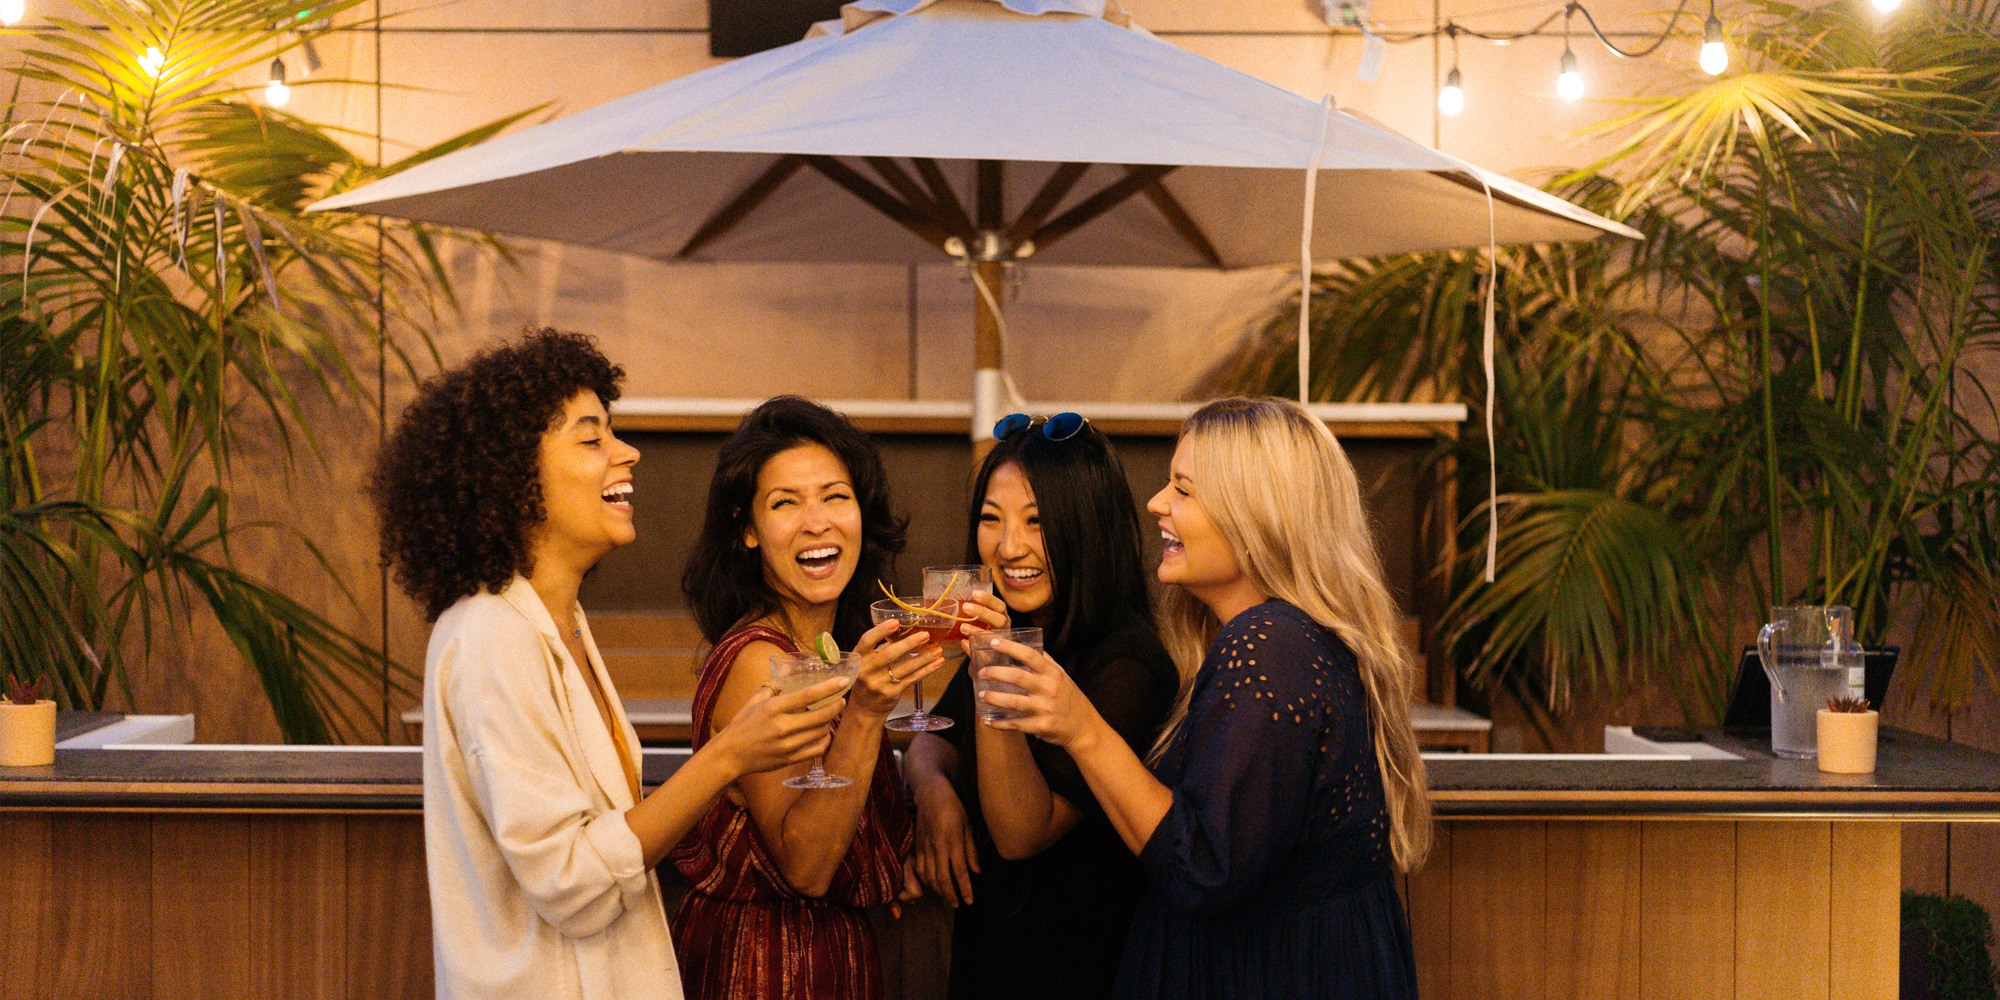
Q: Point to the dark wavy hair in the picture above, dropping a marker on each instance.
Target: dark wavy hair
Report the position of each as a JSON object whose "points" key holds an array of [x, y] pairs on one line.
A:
{"points": [[1090, 532], [457, 485], [724, 580]]}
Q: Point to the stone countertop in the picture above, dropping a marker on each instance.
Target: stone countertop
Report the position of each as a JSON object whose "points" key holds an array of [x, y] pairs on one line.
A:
{"points": [[1917, 778]]}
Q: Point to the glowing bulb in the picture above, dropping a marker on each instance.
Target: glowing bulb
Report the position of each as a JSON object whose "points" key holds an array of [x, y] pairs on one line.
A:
{"points": [[1569, 83], [153, 61], [1714, 53], [12, 11], [1885, 6], [1451, 100], [275, 92]]}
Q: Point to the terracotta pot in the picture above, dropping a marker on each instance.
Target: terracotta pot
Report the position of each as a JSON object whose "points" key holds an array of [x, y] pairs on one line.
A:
{"points": [[1847, 741], [27, 734]]}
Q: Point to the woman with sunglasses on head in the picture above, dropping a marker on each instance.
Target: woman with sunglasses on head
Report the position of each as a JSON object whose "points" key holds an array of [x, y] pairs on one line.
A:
{"points": [[1007, 829], [1273, 815], [798, 530], [501, 485]]}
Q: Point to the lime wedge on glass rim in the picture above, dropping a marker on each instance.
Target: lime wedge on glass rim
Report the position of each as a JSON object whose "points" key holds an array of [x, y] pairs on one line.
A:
{"points": [[824, 646]]}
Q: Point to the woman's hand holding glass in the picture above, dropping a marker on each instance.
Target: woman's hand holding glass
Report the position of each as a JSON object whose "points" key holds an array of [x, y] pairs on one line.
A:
{"points": [[1050, 705], [774, 730], [988, 611], [885, 674]]}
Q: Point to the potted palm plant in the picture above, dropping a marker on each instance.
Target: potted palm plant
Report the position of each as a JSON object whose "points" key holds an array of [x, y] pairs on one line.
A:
{"points": [[170, 303], [1776, 399]]}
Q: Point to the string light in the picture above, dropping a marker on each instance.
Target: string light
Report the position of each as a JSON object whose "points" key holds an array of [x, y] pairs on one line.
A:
{"points": [[153, 61], [1569, 82], [12, 11], [1714, 52], [1451, 99], [275, 92]]}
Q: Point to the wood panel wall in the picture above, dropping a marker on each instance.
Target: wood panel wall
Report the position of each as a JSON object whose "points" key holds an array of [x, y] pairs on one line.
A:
{"points": [[213, 907], [1659, 910], [175, 907]]}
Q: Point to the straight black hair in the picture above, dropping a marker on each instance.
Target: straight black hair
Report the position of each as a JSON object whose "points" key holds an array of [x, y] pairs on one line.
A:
{"points": [[724, 580], [1090, 532]]}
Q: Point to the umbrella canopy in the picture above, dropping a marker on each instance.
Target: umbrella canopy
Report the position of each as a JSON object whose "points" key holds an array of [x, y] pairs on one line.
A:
{"points": [[996, 129]]}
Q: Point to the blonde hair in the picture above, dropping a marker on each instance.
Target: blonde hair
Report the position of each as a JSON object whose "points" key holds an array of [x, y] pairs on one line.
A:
{"points": [[1280, 491]]}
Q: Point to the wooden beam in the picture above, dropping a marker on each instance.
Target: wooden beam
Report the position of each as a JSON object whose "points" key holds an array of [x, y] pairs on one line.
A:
{"points": [[729, 215], [1177, 217], [1053, 191], [926, 228], [943, 197], [992, 194], [1103, 201]]}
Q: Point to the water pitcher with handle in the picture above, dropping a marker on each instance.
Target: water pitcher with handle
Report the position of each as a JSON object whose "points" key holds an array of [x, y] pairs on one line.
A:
{"points": [[1810, 655]]}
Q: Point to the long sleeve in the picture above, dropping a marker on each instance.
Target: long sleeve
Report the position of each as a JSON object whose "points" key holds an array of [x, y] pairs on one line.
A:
{"points": [[1248, 754], [578, 863]]}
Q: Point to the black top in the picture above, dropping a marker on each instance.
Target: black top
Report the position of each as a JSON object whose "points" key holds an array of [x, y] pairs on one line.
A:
{"points": [[1271, 874], [1053, 925]]}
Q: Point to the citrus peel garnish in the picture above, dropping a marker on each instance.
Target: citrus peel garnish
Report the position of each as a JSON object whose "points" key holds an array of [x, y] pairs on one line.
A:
{"points": [[935, 609]]}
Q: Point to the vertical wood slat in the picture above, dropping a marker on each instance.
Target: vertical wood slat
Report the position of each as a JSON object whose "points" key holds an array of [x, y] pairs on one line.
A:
{"points": [[1687, 915], [1497, 874], [25, 874], [200, 945], [1427, 902], [100, 923], [1592, 932], [1866, 910], [1782, 919], [388, 909], [297, 875]]}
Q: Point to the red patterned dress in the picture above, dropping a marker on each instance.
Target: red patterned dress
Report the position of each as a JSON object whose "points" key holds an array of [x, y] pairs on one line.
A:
{"points": [[741, 932]]}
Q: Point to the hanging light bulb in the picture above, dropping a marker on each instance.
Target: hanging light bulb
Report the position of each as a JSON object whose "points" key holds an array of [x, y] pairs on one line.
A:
{"points": [[1714, 52], [275, 92], [1451, 100], [1569, 82], [1886, 6], [12, 11], [153, 61]]}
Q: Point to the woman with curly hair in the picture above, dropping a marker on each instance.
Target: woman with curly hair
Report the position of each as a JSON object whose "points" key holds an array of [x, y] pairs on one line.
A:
{"points": [[501, 485], [1286, 792], [797, 534]]}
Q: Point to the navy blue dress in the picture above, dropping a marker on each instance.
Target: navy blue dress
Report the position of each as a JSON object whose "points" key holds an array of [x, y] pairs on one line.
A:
{"points": [[1271, 874]]}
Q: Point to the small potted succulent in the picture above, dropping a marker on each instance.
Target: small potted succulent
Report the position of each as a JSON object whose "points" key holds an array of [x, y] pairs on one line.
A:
{"points": [[1847, 736], [27, 725]]}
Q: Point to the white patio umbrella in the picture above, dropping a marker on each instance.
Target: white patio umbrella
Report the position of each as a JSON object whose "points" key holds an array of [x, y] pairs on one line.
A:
{"points": [[986, 131]]}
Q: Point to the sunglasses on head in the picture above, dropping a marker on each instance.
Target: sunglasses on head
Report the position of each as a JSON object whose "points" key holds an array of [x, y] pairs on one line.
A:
{"points": [[1060, 427]]}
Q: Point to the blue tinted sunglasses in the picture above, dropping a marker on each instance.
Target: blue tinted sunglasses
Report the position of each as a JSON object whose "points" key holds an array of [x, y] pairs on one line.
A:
{"points": [[1060, 427]]}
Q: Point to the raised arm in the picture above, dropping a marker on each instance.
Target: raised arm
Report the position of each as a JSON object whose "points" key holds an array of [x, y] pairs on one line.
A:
{"points": [[808, 833]]}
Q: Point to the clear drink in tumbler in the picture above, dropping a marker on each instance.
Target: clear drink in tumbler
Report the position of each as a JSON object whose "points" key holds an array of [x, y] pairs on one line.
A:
{"points": [[985, 655]]}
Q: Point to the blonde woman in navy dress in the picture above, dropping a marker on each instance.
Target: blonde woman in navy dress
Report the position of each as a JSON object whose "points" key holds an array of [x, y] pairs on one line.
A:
{"points": [[1286, 793]]}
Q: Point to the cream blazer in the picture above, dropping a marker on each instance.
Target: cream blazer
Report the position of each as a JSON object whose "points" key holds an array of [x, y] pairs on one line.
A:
{"points": [[538, 887]]}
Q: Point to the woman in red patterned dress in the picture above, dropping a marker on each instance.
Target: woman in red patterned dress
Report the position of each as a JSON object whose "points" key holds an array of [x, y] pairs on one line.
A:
{"points": [[797, 531]]}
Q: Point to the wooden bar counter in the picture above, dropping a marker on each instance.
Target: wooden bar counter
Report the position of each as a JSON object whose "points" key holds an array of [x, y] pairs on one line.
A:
{"points": [[202, 872]]}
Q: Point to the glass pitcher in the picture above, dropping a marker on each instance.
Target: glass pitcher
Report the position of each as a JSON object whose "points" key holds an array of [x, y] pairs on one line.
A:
{"points": [[1810, 655]]}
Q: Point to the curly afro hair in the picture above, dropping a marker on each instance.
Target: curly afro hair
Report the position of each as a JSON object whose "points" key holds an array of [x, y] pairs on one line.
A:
{"points": [[457, 486]]}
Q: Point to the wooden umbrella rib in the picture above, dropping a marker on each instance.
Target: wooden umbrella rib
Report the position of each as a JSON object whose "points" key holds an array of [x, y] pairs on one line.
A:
{"points": [[1113, 195], [943, 197], [991, 193], [893, 174], [1053, 191], [729, 215], [928, 229], [1178, 218]]}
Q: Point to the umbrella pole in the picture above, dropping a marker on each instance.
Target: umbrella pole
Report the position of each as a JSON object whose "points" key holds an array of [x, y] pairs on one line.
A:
{"points": [[989, 389]]}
